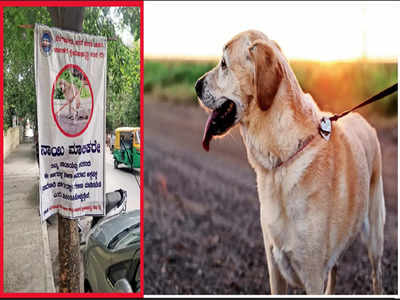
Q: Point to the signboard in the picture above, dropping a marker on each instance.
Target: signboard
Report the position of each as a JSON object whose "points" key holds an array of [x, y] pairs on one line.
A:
{"points": [[70, 78]]}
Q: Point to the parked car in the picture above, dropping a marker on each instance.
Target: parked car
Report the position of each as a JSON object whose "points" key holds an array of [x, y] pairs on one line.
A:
{"points": [[112, 255]]}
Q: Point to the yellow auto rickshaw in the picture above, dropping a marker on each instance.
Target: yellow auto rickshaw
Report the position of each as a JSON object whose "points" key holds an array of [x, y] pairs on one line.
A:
{"points": [[126, 148]]}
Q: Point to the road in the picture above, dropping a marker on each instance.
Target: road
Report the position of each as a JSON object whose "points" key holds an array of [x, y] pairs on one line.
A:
{"points": [[201, 212], [122, 178]]}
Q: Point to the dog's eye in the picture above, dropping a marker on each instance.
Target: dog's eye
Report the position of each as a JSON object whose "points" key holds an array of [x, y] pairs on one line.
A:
{"points": [[223, 64]]}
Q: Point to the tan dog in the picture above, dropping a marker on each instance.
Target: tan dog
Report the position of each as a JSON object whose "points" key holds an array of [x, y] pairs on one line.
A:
{"points": [[315, 195], [71, 94]]}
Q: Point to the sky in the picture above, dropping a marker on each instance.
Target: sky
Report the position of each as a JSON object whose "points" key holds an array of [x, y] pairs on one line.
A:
{"points": [[312, 30], [126, 35]]}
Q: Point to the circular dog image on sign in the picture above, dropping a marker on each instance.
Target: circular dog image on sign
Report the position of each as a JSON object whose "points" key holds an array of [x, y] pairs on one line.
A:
{"points": [[72, 101]]}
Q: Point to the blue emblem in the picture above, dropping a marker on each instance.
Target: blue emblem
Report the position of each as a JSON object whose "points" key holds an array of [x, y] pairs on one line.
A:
{"points": [[46, 43]]}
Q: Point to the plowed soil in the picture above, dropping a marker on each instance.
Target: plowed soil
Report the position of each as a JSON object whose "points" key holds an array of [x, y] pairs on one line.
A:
{"points": [[202, 233]]}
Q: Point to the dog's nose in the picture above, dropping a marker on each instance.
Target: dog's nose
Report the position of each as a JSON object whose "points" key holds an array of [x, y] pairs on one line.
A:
{"points": [[199, 87]]}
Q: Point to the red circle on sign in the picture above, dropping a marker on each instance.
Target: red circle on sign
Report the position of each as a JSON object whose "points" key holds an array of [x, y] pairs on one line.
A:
{"points": [[71, 124]]}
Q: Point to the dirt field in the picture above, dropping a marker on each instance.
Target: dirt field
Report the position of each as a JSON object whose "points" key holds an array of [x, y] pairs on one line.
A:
{"points": [[74, 122], [202, 233]]}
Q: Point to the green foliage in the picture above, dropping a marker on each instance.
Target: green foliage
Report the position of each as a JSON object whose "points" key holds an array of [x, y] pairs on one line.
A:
{"points": [[85, 93], [59, 94], [334, 86], [131, 20], [342, 85], [19, 79], [67, 76], [123, 107], [166, 73], [174, 80], [123, 63]]}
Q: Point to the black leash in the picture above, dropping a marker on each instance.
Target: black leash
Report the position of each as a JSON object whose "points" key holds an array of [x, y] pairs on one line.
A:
{"points": [[325, 126], [377, 97]]}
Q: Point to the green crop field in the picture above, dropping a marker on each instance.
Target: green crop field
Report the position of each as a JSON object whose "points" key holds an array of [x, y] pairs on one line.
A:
{"points": [[334, 86]]}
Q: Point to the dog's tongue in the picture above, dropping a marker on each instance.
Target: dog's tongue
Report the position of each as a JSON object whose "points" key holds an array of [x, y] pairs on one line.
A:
{"points": [[208, 130]]}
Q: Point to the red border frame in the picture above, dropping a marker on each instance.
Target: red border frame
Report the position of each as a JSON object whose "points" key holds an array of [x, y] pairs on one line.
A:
{"points": [[52, 100], [73, 3], [2, 157], [141, 146]]}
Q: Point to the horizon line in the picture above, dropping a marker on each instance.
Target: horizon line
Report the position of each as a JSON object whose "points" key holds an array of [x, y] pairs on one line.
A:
{"points": [[210, 58]]}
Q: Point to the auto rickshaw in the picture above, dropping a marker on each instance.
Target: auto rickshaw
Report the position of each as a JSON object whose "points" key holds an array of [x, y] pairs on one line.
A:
{"points": [[127, 147]]}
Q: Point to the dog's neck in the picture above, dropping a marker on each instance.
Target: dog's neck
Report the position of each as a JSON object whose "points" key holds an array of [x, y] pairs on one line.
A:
{"points": [[275, 135]]}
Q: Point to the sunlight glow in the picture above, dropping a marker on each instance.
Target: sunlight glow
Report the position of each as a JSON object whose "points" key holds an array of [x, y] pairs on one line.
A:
{"points": [[305, 30]]}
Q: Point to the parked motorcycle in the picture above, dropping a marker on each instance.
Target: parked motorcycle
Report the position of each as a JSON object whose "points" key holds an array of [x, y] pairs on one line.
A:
{"points": [[115, 204]]}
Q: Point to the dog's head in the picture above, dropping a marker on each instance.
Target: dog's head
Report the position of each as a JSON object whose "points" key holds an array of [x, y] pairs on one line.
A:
{"points": [[250, 70]]}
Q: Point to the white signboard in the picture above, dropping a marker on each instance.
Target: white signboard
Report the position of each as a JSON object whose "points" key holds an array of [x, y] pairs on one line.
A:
{"points": [[70, 73]]}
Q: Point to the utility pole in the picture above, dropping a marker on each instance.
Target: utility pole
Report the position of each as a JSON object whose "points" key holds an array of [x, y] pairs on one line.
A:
{"points": [[68, 18]]}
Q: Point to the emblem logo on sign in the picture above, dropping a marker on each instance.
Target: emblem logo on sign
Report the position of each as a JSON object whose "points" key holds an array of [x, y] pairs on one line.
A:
{"points": [[46, 43]]}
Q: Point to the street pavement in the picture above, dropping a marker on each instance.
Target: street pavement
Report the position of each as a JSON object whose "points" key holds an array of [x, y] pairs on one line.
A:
{"points": [[122, 178], [27, 266]]}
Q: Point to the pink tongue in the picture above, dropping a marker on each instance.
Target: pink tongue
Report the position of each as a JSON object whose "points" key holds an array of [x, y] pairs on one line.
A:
{"points": [[207, 136]]}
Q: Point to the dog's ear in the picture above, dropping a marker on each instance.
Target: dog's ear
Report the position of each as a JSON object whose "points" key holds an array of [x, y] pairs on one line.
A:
{"points": [[268, 73], [277, 46]]}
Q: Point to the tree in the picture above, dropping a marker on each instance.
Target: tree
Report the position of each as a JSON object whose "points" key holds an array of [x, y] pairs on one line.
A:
{"points": [[19, 79], [123, 62], [123, 76]]}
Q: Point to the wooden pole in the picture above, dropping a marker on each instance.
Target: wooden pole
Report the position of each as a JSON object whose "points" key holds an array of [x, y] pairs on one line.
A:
{"points": [[69, 255], [70, 18]]}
